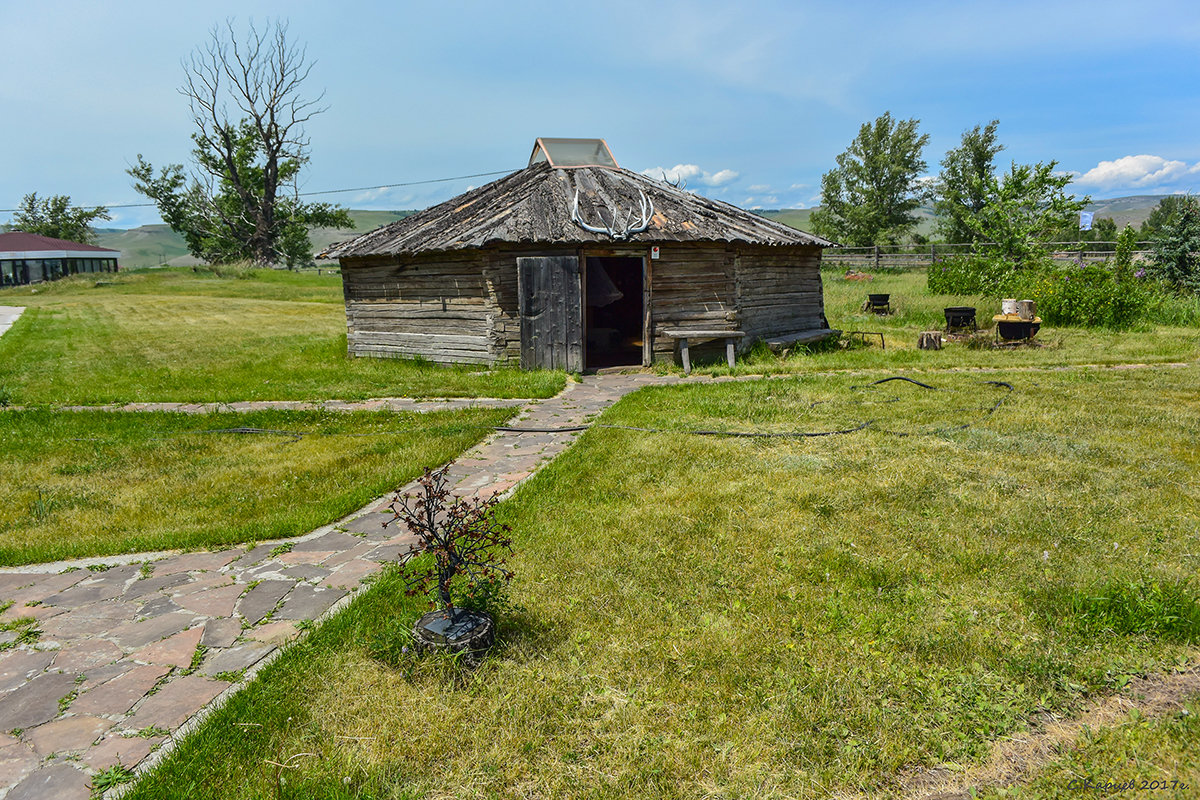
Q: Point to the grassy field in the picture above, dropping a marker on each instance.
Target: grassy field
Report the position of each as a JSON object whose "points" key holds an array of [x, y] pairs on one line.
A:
{"points": [[179, 335], [784, 617], [95, 484], [915, 310]]}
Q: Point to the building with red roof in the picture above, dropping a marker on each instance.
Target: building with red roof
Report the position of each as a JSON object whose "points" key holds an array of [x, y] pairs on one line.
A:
{"points": [[30, 258]]}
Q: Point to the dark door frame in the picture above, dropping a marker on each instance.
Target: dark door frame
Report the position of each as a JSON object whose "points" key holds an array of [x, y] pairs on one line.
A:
{"points": [[647, 325]]}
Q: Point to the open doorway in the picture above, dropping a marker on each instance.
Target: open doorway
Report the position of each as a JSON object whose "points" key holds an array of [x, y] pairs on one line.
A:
{"points": [[613, 315]]}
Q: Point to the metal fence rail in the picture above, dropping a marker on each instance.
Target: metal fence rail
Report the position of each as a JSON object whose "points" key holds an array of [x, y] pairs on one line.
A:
{"points": [[918, 256]]}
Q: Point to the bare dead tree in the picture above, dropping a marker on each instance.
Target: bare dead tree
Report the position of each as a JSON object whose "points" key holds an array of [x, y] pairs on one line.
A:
{"points": [[247, 102], [263, 76]]}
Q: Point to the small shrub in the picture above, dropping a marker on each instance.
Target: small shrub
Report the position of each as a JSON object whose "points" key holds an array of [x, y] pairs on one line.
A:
{"points": [[462, 537], [974, 274], [1089, 296], [1123, 262]]}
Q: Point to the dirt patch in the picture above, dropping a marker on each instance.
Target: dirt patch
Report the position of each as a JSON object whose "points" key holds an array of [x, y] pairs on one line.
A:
{"points": [[1014, 758]]}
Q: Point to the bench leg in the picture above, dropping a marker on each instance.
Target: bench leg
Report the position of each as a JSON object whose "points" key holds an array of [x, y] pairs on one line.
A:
{"points": [[683, 353], [729, 351]]}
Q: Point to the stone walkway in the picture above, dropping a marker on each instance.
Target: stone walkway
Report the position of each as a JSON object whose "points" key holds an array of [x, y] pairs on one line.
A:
{"points": [[108, 660], [8, 315]]}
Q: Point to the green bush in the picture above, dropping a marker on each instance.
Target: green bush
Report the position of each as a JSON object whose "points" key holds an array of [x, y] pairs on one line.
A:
{"points": [[1091, 296], [974, 274], [1088, 296]]}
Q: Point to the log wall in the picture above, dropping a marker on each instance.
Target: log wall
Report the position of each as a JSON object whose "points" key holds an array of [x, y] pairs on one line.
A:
{"points": [[691, 286], [437, 307], [461, 306], [779, 291]]}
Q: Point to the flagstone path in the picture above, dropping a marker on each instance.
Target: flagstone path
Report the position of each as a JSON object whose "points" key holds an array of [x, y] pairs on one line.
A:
{"points": [[131, 650], [8, 315]]}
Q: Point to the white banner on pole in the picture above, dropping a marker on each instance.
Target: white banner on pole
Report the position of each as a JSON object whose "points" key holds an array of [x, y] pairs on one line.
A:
{"points": [[1085, 220]]}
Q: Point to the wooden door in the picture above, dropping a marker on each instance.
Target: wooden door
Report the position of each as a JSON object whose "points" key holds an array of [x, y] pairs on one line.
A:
{"points": [[549, 303]]}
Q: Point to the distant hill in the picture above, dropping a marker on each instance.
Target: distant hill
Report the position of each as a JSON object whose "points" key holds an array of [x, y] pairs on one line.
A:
{"points": [[155, 245], [799, 218], [1131, 210]]}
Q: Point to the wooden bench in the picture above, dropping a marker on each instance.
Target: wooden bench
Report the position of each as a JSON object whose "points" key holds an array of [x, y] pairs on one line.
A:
{"points": [[683, 336], [780, 343]]}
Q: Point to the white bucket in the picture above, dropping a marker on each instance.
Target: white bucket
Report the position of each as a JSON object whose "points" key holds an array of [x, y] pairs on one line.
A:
{"points": [[1026, 310], [1008, 306]]}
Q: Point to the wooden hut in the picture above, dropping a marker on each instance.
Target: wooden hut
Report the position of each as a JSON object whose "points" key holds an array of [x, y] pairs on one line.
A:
{"points": [[575, 263]]}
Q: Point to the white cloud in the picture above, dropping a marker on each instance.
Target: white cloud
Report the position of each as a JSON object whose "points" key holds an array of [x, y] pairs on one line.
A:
{"points": [[682, 173], [760, 187], [719, 178], [1138, 172], [371, 195]]}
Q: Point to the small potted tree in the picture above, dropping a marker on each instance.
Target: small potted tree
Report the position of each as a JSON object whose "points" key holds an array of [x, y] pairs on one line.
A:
{"points": [[469, 550]]}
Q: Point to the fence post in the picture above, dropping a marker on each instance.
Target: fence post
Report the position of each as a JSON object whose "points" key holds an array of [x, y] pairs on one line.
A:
{"points": [[876, 258], [932, 254]]}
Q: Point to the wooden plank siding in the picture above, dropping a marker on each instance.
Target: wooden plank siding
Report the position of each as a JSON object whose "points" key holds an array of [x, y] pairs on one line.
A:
{"points": [[462, 305], [693, 286], [437, 306], [779, 291]]}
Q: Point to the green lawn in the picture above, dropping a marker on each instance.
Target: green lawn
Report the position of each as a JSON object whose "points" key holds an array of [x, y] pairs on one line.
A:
{"points": [[916, 310], [175, 335], [730, 617], [95, 483]]}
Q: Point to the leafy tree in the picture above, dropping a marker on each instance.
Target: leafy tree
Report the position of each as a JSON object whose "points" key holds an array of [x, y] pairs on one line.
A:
{"points": [[55, 217], [961, 189], [1025, 206], [1176, 259], [871, 194], [1165, 212], [241, 199], [1104, 230]]}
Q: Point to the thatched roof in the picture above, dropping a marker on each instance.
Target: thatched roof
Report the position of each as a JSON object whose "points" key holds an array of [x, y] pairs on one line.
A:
{"points": [[536, 205]]}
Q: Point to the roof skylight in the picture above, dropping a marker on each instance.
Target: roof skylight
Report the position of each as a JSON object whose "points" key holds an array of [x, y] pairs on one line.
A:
{"points": [[573, 153]]}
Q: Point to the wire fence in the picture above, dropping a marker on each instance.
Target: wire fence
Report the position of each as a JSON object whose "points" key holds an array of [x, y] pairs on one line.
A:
{"points": [[925, 255]]}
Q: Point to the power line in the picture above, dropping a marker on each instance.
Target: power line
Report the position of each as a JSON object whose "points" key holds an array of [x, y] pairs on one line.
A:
{"points": [[326, 191]]}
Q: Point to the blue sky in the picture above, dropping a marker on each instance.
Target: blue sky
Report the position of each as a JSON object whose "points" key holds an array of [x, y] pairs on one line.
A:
{"points": [[750, 102]]}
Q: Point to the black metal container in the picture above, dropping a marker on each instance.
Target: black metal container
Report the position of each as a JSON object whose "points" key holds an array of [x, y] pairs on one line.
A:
{"points": [[1017, 330], [960, 317]]}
